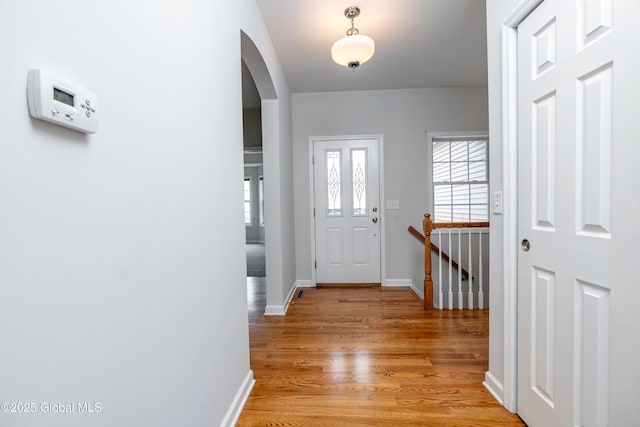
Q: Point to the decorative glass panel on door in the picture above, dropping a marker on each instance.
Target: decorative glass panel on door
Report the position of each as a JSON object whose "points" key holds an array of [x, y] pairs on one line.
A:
{"points": [[334, 184], [359, 180]]}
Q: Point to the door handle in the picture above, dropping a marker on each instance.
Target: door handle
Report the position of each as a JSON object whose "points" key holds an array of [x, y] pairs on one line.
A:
{"points": [[375, 220], [525, 245], [375, 209]]}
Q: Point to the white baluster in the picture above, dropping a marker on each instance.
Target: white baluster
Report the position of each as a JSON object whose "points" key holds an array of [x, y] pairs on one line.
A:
{"points": [[470, 295], [450, 273], [480, 294], [440, 302], [460, 299]]}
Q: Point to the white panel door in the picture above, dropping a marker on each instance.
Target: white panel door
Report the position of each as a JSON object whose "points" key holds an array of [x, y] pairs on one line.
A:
{"points": [[347, 211], [578, 202]]}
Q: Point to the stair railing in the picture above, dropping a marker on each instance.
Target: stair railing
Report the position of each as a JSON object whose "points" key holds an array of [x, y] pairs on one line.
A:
{"points": [[462, 228]]}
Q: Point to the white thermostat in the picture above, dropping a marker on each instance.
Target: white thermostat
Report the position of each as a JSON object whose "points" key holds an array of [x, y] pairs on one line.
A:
{"points": [[59, 101]]}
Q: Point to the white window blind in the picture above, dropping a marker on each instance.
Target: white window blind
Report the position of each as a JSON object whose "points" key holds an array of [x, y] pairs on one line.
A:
{"points": [[261, 198], [247, 201], [460, 179]]}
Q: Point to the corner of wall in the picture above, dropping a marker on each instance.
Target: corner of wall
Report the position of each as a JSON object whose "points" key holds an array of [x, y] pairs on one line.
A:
{"points": [[281, 310], [418, 292], [494, 386], [305, 284], [235, 409]]}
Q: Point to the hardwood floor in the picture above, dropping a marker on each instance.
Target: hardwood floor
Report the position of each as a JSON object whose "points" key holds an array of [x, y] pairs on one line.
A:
{"points": [[256, 295], [364, 357]]}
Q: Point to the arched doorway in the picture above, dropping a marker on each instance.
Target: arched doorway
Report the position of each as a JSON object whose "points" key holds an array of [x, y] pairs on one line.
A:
{"points": [[261, 116]]}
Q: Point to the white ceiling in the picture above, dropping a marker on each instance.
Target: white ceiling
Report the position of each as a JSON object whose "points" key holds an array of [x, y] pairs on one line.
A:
{"points": [[419, 43]]}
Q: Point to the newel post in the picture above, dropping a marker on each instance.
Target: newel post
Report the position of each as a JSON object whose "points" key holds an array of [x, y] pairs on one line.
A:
{"points": [[427, 226]]}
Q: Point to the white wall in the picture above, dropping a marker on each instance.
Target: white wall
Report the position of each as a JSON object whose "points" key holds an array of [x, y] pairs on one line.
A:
{"points": [[117, 263], [497, 13], [403, 117], [279, 237]]}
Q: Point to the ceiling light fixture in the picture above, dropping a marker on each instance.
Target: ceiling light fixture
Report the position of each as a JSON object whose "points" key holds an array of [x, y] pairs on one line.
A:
{"points": [[353, 49]]}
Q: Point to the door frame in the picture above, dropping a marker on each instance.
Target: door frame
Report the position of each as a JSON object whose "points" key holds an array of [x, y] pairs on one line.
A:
{"points": [[312, 237], [509, 131]]}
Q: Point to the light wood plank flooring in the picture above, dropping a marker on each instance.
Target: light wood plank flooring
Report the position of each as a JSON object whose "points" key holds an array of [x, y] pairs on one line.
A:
{"points": [[364, 357]]}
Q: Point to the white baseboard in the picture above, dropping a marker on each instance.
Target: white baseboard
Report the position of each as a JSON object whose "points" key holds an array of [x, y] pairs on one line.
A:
{"points": [[397, 283], [274, 310], [494, 386], [305, 284], [281, 310], [418, 291], [234, 411], [290, 296]]}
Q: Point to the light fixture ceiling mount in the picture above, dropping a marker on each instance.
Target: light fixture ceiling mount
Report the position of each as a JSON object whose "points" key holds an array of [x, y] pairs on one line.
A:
{"points": [[352, 13], [354, 49]]}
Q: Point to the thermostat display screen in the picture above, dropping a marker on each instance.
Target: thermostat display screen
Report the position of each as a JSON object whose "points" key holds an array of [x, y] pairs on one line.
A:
{"points": [[62, 96]]}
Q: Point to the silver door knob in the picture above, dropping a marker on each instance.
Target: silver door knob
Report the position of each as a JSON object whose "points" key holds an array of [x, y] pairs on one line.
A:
{"points": [[375, 220], [526, 245]]}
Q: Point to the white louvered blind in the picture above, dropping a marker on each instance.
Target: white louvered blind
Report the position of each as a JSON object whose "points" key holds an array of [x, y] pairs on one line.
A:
{"points": [[460, 179], [247, 201], [261, 198]]}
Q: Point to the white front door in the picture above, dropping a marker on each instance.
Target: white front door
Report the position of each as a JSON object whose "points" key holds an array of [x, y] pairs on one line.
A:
{"points": [[347, 211], [578, 204]]}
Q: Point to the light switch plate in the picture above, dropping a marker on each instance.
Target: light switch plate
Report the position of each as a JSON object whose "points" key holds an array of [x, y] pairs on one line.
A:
{"points": [[497, 202], [393, 204]]}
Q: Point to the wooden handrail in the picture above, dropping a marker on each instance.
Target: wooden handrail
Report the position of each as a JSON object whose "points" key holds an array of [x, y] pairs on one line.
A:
{"points": [[459, 224], [418, 235], [445, 256]]}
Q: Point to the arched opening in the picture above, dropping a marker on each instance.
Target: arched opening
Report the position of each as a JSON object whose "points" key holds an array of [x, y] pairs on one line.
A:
{"points": [[258, 93], [253, 194]]}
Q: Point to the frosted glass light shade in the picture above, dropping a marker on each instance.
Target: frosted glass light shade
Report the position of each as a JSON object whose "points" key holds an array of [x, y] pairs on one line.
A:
{"points": [[353, 49]]}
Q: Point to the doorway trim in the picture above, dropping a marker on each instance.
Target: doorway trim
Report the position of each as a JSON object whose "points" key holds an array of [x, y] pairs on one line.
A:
{"points": [[383, 212], [276, 243], [509, 55]]}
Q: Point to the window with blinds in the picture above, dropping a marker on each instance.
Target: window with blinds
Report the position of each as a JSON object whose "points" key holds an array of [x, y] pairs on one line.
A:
{"points": [[460, 179], [261, 198], [247, 201]]}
